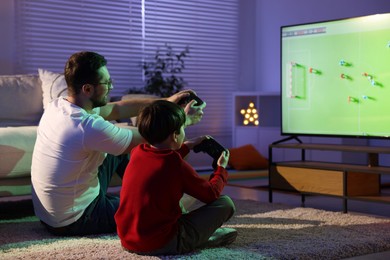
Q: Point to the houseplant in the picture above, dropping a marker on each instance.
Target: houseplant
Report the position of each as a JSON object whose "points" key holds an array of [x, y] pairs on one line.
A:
{"points": [[162, 72]]}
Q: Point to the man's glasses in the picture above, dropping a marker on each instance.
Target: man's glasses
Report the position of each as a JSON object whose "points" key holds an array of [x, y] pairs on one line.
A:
{"points": [[109, 83]]}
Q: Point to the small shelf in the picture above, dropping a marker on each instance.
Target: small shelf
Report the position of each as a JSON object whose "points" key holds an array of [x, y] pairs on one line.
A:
{"points": [[335, 147], [336, 167], [267, 105]]}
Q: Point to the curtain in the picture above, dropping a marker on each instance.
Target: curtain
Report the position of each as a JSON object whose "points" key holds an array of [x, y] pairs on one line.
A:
{"points": [[129, 32]]}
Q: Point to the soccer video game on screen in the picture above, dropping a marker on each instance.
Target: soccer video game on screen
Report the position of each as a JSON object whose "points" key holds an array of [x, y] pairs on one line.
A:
{"points": [[336, 77]]}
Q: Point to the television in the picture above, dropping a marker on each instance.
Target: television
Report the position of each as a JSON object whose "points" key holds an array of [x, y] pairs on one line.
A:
{"points": [[335, 78]]}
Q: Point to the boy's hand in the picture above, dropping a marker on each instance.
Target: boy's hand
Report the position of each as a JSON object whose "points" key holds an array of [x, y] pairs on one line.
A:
{"points": [[224, 159], [195, 141]]}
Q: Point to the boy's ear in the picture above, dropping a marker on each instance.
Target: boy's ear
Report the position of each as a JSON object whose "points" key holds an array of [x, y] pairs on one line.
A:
{"points": [[174, 136]]}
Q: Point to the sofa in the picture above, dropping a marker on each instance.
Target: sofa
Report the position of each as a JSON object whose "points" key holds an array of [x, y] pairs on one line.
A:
{"points": [[23, 100]]}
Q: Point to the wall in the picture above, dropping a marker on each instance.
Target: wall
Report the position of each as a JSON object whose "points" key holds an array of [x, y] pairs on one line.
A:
{"points": [[260, 23], [271, 15], [247, 45], [259, 33], [7, 37]]}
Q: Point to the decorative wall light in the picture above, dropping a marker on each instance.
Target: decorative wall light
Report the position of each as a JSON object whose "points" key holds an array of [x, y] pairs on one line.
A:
{"points": [[250, 115]]}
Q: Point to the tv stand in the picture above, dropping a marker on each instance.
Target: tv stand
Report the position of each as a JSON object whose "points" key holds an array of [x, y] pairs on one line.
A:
{"points": [[288, 139], [347, 181]]}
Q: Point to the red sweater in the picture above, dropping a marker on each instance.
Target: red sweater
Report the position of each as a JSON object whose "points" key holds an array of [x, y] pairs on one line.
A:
{"points": [[153, 184]]}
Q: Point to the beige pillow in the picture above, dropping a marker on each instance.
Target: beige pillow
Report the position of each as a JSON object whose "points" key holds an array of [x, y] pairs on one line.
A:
{"points": [[21, 100], [53, 85]]}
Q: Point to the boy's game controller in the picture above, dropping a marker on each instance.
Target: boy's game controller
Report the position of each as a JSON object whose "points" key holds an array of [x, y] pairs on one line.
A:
{"points": [[187, 99], [212, 148]]}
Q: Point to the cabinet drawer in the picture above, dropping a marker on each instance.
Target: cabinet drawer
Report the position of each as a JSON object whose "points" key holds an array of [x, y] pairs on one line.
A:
{"points": [[327, 182]]}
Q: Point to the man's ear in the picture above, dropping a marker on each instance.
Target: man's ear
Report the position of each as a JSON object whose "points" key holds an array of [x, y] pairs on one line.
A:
{"points": [[88, 89]]}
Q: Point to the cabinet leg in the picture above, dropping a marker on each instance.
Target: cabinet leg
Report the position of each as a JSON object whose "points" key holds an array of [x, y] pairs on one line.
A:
{"points": [[345, 192], [269, 195], [345, 205], [303, 200], [373, 159]]}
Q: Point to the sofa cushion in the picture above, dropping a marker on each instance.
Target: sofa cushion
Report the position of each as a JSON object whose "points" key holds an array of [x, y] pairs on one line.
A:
{"points": [[53, 85], [16, 147], [21, 103]]}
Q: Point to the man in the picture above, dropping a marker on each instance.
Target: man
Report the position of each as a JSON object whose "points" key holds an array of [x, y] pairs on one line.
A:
{"points": [[78, 149]]}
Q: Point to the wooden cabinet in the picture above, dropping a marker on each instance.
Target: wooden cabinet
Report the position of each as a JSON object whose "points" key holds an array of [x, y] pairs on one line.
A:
{"points": [[348, 181]]}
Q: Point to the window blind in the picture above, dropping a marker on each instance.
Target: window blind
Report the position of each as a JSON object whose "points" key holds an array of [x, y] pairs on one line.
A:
{"points": [[127, 32]]}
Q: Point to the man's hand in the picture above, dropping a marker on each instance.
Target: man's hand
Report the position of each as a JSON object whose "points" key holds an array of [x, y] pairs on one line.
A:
{"points": [[194, 113], [179, 95]]}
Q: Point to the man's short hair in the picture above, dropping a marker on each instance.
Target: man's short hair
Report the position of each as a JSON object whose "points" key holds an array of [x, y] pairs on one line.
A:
{"points": [[159, 120], [82, 68]]}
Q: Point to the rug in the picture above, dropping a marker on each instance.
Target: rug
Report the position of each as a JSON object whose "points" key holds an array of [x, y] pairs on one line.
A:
{"points": [[265, 231]]}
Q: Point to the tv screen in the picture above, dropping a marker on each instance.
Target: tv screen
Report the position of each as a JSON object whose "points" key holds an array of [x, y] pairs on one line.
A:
{"points": [[335, 78]]}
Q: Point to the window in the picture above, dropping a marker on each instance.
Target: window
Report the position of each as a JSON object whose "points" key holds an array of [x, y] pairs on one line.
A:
{"points": [[126, 32]]}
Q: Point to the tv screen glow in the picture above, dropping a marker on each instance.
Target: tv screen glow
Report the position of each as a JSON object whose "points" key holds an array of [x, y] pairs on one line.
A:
{"points": [[335, 77]]}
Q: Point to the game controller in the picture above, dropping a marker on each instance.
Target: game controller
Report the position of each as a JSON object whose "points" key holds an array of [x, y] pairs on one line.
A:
{"points": [[187, 99], [212, 148]]}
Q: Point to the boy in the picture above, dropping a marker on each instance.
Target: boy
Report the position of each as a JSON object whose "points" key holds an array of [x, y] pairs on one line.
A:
{"points": [[149, 219]]}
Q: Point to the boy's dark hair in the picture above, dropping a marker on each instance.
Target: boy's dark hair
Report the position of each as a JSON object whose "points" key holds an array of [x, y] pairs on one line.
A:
{"points": [[81, 68], [160, 119]]}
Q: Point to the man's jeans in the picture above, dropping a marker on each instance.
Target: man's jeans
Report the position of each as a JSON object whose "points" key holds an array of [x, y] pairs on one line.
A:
{"points": [[98, 217]]}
